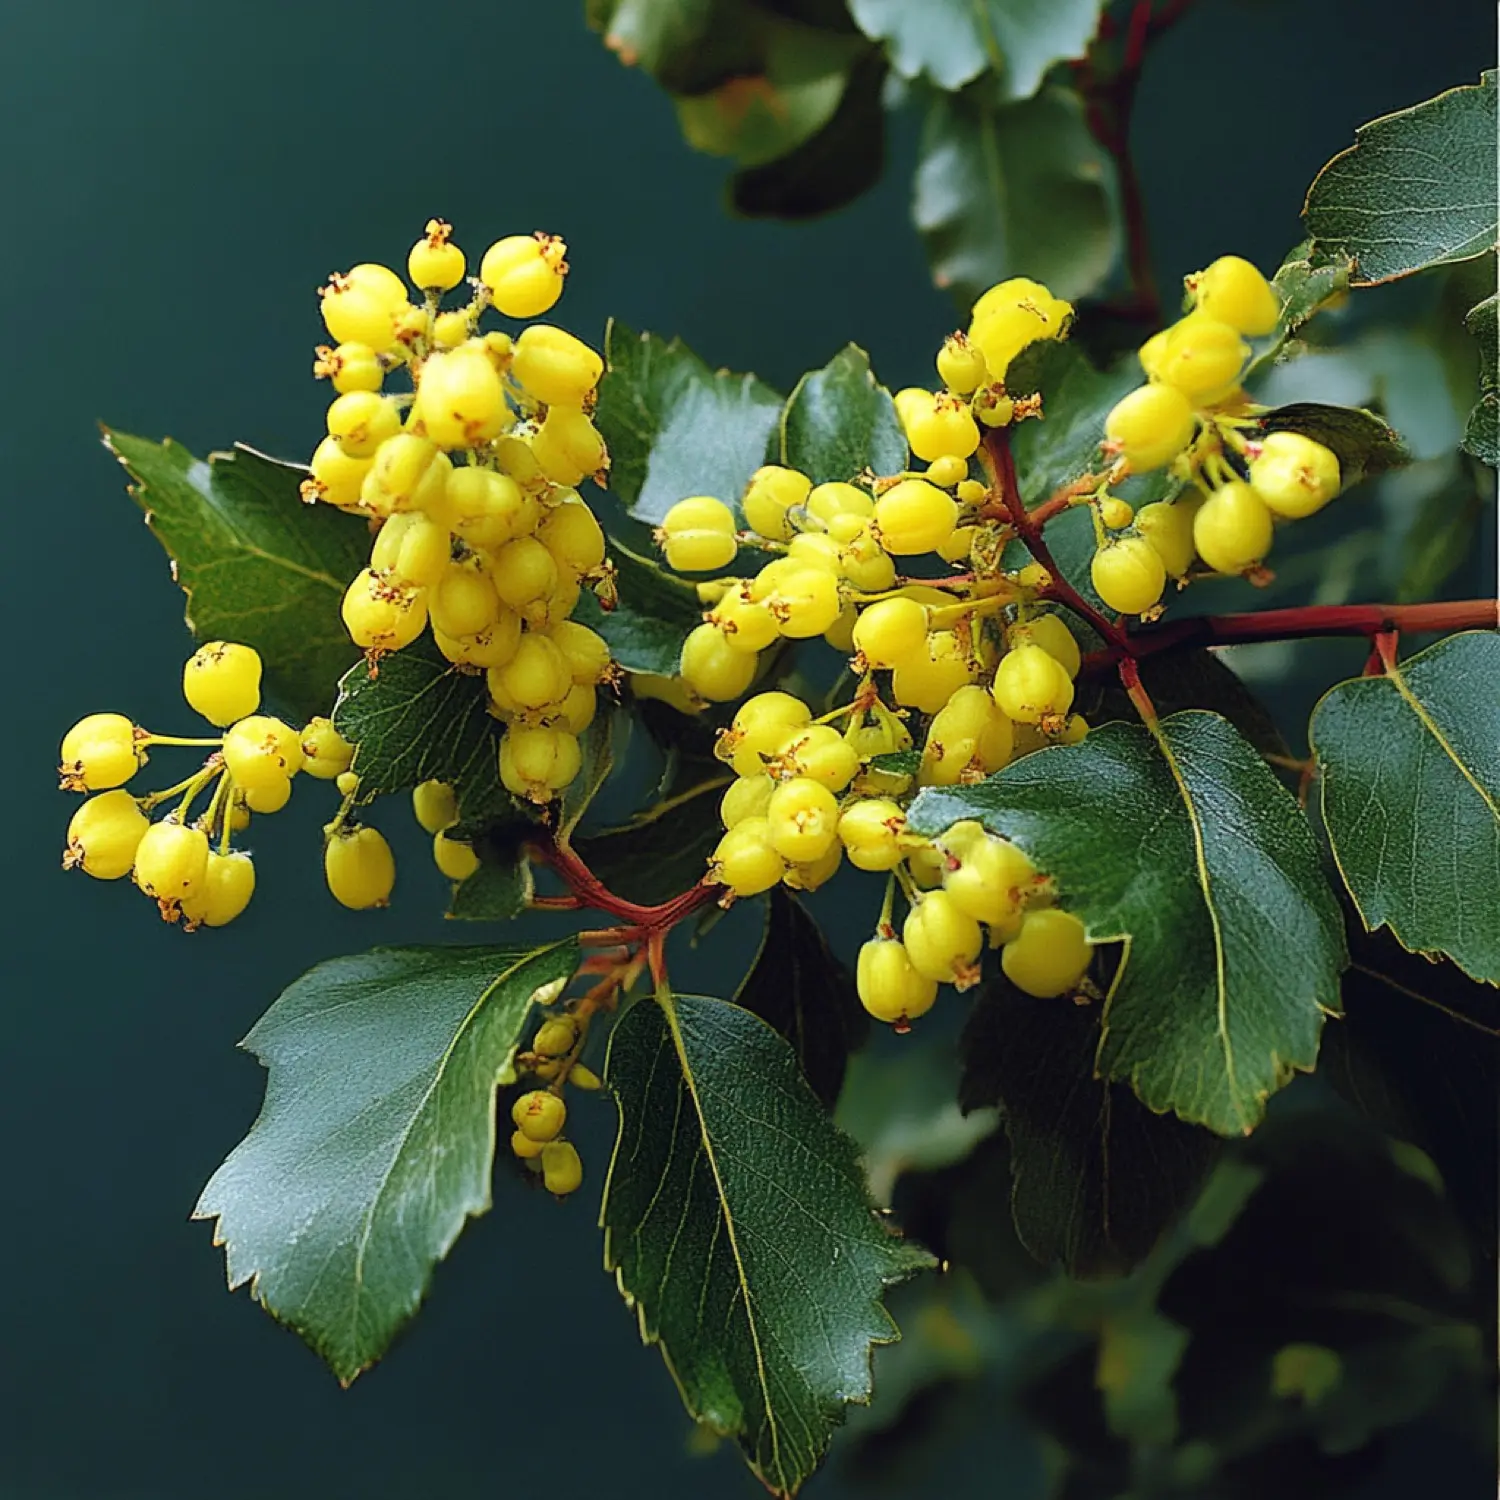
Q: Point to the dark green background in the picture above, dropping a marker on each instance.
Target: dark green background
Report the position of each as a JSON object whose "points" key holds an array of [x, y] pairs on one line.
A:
{"points": [[178, 177]]}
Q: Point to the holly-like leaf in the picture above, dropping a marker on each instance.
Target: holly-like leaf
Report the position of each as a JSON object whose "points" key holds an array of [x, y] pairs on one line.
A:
{"points": [[377, 1136], [1096, 1176], [1014, 189], [1183, 846], [840, 420], [1365, 444], [653, 614], [829, 169], [676, 428], [257, 565], [1482, 430], [663, 850], [1416, 189], [800, 988], [737, 1224], [757, 115], [417, 717], [953, 41], [1409, 765]]}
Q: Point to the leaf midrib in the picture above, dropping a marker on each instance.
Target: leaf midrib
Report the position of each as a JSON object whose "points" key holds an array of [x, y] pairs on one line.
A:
{"points": [[1397, 679], [669, 1012]]}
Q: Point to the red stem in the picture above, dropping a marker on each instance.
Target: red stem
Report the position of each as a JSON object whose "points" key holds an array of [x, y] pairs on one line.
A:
{"points": [[1028, 528], [589, 890], [1306, 621]]}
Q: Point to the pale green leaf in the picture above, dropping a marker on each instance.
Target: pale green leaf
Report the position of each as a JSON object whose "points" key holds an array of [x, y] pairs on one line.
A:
{"points": [[1417, 188]]}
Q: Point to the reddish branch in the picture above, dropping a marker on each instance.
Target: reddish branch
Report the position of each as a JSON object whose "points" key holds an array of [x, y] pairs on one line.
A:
{"points": [[1109, 101], [1372, 620], [640, 923]]}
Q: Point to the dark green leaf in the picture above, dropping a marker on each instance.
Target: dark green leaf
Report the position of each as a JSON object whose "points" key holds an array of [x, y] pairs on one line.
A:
{"points": [[377, 1136], [1014, 189], [898, 762], [501, 887], [1072, 543], [1139, 1352], [654, 612], [790, 93], [1076, 398], [1482, 431], [830, 169], [662, 851], [737, 1223], [1365, 444], [1416, 189], [257, 565], [953, 41], [418, 718], [1418, 1052], [840, 421], [686, 45], [676, 428], [1409, 764], [1096, 1176], [800, 988], [1186, 848], [1443, 535]]}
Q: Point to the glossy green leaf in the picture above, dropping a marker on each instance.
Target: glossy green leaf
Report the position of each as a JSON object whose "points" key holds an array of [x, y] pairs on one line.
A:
{"points": [[1063, 443], [829, 169], [1365, 444], [1014, 189], [1185, 848], [1482, 431], [1096, 1176], [257, 565], [738, 1226], [1416, 189], [953, 41], [1409, 766], [800, 988], [840, 421], [419, 718], [676, 428], [601, 744], [756, 116], [377, 1136], [653, 613]]}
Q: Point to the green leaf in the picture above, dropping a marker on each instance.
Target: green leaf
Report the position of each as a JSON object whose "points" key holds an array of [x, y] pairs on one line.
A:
{"points": [[1096, 1176], [1014, 189], [1076, 398], [1183, 846], [1409, 765], [654, 612], [953, 41], [1416, 189], [737, 1224], [663, 850], [419, 718], [500, 889], [377, 1136], [800, 988], [1482, 431], [759, 114], [600, 744], [257, 565], [830, 169], [676, 428], [1139, 1353], [840, 421], [1365, 444]]}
